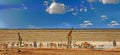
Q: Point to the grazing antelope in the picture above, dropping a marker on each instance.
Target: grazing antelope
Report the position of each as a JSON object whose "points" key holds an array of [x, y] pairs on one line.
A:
{"points": [[31, 45], [12, 44], [52, 45], [76, 45], [26, 45], [59, 45], [5, 46], [86, 45], [40, 44]]}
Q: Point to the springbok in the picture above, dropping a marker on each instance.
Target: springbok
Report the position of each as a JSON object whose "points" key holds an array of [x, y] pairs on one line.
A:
{"points": [[40, 44], [52, 45], [86, 45]]}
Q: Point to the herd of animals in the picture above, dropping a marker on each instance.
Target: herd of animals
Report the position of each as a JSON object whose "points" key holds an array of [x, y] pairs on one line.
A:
{"points": [[35, 44], [44, 45]]}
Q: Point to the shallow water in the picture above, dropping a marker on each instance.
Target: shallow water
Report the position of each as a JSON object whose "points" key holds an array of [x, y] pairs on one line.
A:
{"points": [[104, 47]]}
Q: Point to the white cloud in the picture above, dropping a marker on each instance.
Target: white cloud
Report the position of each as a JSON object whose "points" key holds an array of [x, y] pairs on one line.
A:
{"points": [[24, 7], [83, 8], [71, 9], [60, 8], [75, 13], [106, 1], [86, 23], [33, 27], [56, 8], [113, 23], [45, 3], [104, 17], [91, 0], [110, 1], [94, 0]]}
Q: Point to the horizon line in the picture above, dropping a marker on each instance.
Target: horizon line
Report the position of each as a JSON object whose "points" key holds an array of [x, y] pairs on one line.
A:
{"points": [[59, 28]]}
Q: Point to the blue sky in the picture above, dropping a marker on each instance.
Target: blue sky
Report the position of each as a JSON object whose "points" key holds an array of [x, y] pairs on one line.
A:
{"points": [[59, 14]]}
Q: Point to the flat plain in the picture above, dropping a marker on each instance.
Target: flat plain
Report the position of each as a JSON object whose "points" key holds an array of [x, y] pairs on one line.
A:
{"points": [[47, 35], [60, 35]]}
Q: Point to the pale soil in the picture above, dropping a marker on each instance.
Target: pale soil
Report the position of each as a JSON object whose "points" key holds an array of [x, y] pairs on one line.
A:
{"points": [[49, 51]]}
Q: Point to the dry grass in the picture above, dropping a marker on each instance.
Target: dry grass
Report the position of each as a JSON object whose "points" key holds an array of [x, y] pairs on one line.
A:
{"points": [[60, 35]]}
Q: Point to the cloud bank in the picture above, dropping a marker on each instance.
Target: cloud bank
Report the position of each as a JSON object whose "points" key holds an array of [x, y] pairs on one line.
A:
{"points": [[106, 1], [110, 1], [113, 23]]}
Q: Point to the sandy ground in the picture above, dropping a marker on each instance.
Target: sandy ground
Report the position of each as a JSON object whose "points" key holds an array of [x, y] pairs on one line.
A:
{"points": [[51, 51]]}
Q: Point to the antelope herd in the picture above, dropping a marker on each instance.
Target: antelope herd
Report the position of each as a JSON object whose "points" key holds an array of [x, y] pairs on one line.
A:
{"points": [[45, 45]]}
